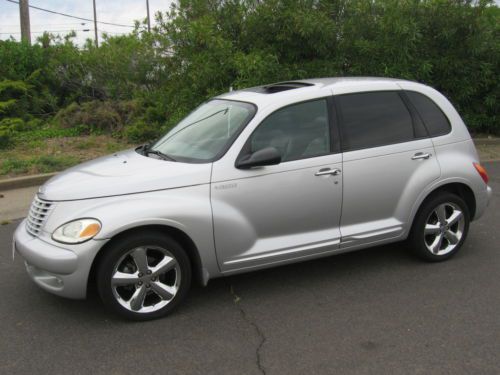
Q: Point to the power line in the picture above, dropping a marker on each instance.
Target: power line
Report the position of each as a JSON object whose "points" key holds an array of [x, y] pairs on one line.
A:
{"points": [[61, 31], [113, 32], [45, 31], [71, 16], [45, 24]]}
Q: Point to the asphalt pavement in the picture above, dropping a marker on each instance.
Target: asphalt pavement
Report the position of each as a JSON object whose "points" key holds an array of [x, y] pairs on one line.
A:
{"points": [[16, 203], [376, 311]]}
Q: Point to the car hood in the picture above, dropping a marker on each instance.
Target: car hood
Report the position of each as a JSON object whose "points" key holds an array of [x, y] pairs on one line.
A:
{"points": [[122, 173]]}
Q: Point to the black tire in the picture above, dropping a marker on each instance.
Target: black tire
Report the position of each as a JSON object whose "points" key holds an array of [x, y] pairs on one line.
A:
{"points": [[417, 238], [114, 254]]}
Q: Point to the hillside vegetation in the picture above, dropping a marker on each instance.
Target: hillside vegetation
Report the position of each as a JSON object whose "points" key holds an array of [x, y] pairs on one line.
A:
{"points": [[134, 87]]}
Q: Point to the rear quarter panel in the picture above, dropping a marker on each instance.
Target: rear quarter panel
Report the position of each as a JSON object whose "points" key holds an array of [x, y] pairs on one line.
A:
{"points": [[454, 151]]}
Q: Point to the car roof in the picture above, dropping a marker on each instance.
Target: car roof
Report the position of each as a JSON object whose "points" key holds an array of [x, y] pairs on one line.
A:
{"points": [[292, 90]]}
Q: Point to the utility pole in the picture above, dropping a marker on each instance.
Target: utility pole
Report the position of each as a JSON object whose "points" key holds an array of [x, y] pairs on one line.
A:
{"points": [[95, 28], [24, 13], [149, 19]]}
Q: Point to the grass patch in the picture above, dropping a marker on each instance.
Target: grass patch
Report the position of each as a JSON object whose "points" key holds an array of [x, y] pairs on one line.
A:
{"points": [[87, 143], [37, 164], [14, 166], [45, 133], [55, 154]]}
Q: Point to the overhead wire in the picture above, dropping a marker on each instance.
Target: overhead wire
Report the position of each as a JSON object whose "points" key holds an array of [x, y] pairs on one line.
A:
{"points": [[45, 31], [46, 24], [72, 16]]}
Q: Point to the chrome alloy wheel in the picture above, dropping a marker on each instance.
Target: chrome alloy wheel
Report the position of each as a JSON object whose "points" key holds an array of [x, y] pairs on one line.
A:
{"points": [[146, 279], [444, 228]]}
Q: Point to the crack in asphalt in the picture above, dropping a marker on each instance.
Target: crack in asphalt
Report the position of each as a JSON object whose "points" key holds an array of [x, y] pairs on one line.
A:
{"points": [[260, 334]]}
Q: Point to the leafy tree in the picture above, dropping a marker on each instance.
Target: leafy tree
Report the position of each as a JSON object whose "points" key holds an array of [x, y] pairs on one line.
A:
{"points": [[201, 48]]}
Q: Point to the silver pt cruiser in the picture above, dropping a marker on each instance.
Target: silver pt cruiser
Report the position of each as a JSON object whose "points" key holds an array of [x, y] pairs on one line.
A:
{"points": [[258, 178]]}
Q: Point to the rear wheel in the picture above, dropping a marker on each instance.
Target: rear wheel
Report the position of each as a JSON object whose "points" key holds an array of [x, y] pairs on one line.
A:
{"points": [[143, 276], [440, 227]]}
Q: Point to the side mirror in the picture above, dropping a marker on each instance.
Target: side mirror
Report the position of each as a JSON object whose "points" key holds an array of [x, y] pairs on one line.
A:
{"points": [[260, 158]]}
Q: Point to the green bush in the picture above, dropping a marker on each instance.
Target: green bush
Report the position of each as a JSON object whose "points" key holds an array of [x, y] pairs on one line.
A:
{"points": [[141, 131], [97, 117], [34, 124], [5, 139], [141, 81], [13, 124]]}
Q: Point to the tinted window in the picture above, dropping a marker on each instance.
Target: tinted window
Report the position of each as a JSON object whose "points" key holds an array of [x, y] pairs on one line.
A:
{"points": [[374, 119], [435, 120], [297, 131]]}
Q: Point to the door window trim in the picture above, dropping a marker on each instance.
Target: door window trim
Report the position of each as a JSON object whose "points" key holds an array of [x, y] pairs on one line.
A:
{"points": [[413, 115], [333, 130]]}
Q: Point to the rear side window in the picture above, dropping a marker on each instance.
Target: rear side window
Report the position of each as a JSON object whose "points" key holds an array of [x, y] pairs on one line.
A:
{"points": [[374, 119], [433, 117]]}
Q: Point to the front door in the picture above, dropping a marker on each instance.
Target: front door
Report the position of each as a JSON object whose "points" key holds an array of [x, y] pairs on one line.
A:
{"points": [[282, 212]]}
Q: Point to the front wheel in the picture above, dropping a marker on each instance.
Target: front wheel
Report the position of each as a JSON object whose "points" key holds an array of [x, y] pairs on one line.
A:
{"points": [[440, 227], [143, 276]]}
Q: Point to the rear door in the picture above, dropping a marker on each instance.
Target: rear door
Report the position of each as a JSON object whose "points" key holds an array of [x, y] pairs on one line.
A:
{"points": [[388, 160]]}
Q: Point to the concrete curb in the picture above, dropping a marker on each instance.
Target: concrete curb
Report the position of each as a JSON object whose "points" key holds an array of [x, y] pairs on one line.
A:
{"points": [[25, 181]]}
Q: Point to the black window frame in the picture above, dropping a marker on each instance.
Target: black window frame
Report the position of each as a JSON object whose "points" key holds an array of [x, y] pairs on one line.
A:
{"points": [[411, 110], [417, 113], [335, 142]]}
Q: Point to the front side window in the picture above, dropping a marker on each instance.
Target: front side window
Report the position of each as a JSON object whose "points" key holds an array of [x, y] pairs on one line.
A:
{"points": [[297, 131], [374, 119], [206, 132]]}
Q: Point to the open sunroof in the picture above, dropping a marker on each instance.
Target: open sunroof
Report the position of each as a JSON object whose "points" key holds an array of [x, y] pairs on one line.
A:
{"points": [[279, 87]]}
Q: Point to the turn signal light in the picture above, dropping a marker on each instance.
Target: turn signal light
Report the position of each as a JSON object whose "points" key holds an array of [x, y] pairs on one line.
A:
{"points": [[90, 231], [482, 172]]}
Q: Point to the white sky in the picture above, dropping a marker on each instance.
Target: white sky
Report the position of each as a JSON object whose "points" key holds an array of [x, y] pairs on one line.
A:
{"points": [[115, 11]]}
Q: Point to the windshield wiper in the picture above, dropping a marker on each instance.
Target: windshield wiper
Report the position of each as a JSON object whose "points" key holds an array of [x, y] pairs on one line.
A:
{"points": [[146, 150], [159, 154]]}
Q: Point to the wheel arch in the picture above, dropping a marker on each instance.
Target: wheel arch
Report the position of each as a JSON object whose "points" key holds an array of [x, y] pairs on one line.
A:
{"points": [[184, 240], [460, 189]]}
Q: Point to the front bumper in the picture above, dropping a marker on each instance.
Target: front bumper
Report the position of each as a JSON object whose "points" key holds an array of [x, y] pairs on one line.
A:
{"points": [[60, 270]]}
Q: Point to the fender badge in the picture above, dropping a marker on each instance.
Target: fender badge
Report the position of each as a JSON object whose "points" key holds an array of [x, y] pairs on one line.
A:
{"points": [[226, 186]]}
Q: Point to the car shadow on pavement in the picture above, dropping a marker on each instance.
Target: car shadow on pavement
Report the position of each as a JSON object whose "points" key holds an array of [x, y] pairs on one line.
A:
{"points": [[262, 284]]}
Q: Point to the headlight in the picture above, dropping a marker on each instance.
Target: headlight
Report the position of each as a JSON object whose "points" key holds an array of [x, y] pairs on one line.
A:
{"points": [[77, 231]]}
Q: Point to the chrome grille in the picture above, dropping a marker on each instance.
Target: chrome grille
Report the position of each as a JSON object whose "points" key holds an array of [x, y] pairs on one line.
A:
{"points": [[38, 214]]}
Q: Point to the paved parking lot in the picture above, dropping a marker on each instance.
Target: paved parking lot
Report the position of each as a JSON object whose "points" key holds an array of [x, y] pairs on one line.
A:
{"points": [[378, 311]]}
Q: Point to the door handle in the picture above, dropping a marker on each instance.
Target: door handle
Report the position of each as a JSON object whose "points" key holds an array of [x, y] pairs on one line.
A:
{"points": [[328, 171], [420, 155]]}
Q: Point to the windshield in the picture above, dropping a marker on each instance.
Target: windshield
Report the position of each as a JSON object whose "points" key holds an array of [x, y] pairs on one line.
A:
{"points": [[206, 132]]}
